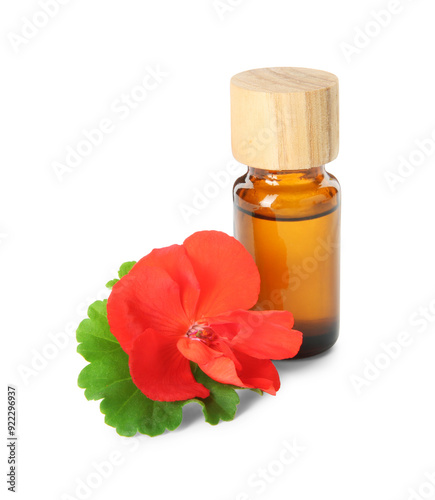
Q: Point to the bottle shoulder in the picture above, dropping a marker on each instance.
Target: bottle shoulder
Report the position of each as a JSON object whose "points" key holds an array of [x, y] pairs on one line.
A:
{"points": [[295, 194]]}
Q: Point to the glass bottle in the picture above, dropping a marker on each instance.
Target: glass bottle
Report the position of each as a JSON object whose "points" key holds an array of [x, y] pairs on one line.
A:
{"points": [[287, 207]]}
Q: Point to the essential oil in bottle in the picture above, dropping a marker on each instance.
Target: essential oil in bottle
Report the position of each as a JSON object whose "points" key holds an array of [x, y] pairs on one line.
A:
{"points": [[284, 125]]}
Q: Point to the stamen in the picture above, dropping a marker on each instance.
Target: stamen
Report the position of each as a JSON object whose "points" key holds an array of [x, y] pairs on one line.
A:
{"points": [[201, 332]]}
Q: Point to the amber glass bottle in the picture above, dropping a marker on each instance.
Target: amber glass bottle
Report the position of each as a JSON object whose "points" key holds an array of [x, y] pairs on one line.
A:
{"points": [[287, 207]]}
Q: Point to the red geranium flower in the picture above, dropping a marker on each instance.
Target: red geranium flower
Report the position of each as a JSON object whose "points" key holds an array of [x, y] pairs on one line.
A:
{"points": [[188, 303]]}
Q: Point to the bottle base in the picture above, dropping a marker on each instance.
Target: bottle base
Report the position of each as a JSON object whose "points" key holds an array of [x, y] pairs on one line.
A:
{"points": [[317, 338]]}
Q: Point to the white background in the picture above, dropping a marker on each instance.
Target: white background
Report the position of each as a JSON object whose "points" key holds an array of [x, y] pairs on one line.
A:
{"points": [[62, 238]]}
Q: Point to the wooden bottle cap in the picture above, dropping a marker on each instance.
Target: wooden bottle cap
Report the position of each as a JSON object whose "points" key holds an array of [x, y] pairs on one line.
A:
{"points": [[284, 118]]}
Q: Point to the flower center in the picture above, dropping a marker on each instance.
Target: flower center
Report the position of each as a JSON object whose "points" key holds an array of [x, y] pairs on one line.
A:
{"points": [[201, 332]]}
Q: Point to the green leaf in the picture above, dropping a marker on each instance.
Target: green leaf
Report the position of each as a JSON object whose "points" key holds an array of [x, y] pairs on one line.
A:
{"points": [[258, 391], [125, 268], [123, 271], [222, 402], [110, 283], [108, 377], [125, 407]]}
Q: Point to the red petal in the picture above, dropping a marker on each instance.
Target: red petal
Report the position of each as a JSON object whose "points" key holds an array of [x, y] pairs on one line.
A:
{"points": [[258, 373], [197, 351], [175, 262], [226, 272], [263, 334], [253, 373], [236, 369], [160, 371], [146, 298], [222, 370], [224, 330], [212, 362]]}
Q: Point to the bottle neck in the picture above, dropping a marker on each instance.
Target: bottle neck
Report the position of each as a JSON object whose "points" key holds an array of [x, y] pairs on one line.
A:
{"points": [[309, 174]]}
